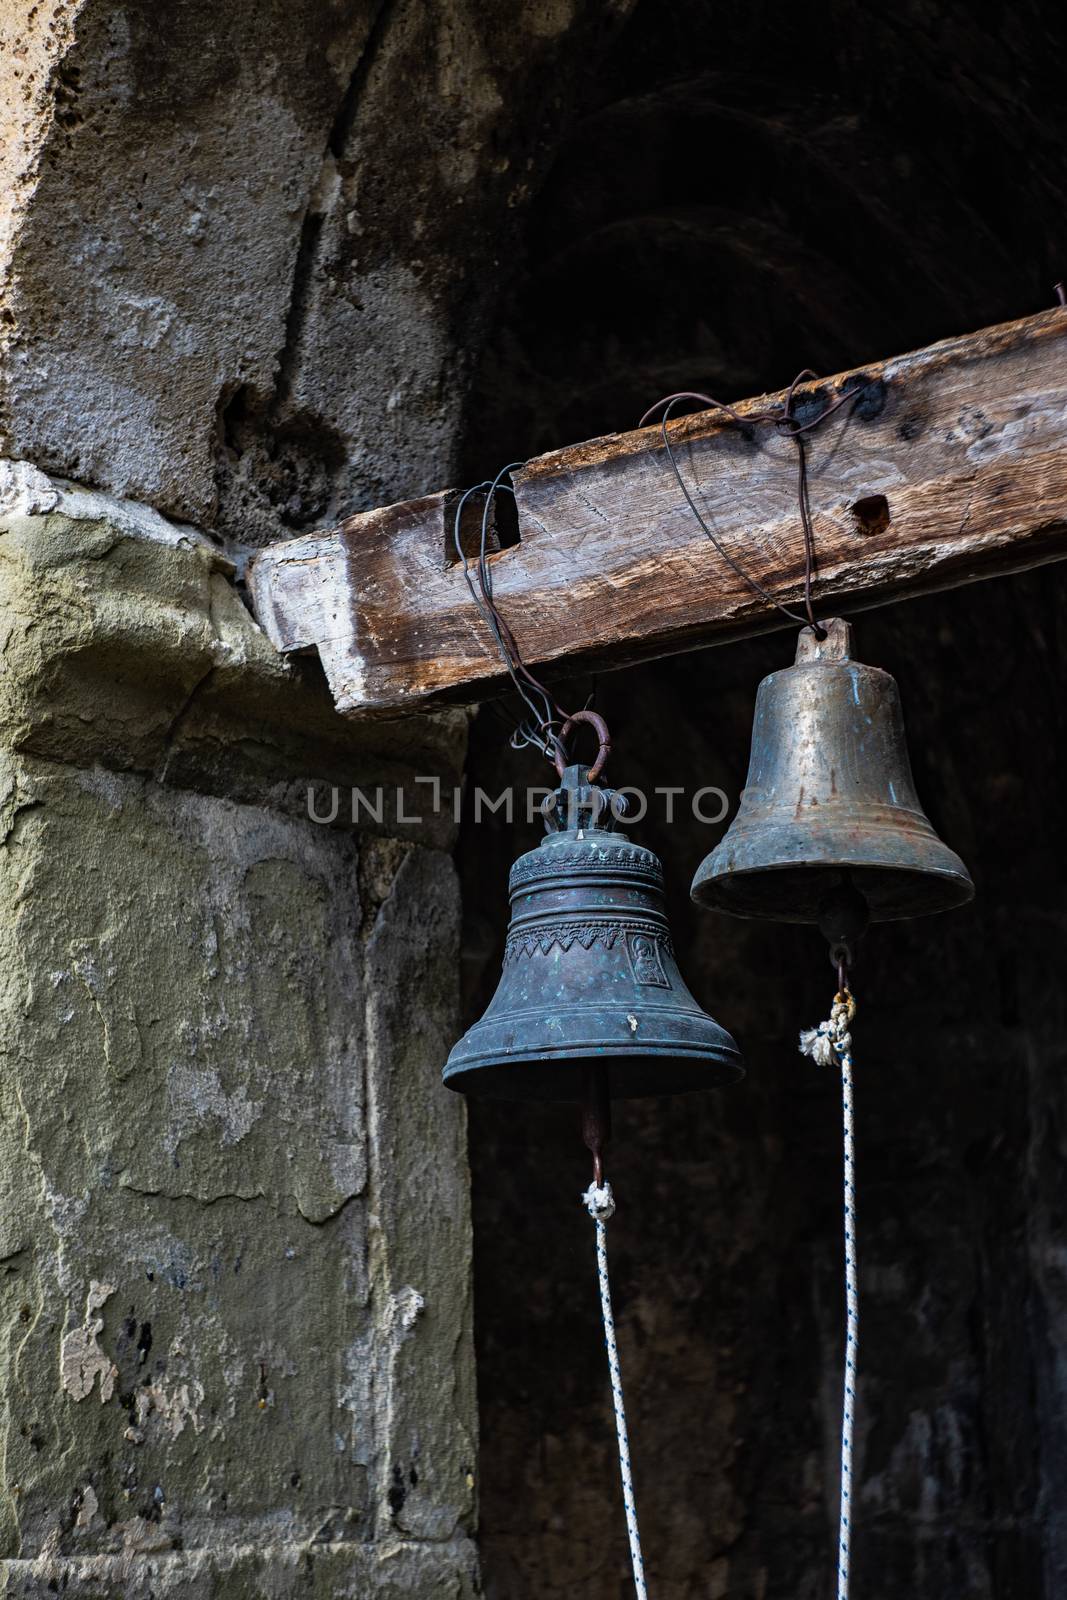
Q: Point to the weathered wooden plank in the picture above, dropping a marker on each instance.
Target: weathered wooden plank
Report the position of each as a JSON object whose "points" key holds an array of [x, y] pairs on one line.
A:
{"points": [[951, 466]]}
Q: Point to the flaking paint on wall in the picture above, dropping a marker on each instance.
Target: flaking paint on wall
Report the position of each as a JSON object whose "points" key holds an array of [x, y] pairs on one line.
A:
{"points": [[212, 1140], [81, 1360]]}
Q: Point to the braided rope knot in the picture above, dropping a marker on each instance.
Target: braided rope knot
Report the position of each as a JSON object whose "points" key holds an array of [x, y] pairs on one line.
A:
{"points": [[831, 1041], [599, 1202]]}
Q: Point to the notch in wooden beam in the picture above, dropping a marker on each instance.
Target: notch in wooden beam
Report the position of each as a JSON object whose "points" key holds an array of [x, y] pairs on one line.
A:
{"points": [[958, 472]]}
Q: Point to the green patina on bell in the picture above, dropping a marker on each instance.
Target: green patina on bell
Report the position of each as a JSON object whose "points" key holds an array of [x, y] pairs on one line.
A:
{"points": [[589, 977]]}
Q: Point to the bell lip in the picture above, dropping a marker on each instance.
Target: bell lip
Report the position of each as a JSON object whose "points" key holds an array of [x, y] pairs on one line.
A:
{"points": [[715, 889], [477, 1075], [667, 1029]]}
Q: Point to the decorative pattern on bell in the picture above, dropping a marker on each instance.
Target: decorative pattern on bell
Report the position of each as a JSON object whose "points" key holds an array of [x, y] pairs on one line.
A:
{"points": [[589, 976], [830, 800]]}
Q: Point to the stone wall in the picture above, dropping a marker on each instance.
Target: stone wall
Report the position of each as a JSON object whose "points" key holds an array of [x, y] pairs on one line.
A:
{"points": [[242, 293], [230, 251], [267, 264], [235, 1348]]}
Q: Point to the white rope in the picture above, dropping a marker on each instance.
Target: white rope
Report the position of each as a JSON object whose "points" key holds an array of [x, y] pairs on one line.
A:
{"points": [[600, 1203], [828, 1042]]}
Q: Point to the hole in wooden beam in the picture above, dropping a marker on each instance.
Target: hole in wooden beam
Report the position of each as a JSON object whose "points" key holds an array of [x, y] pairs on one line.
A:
{"points": [[871, 515], [506, 514], [502, 527]]}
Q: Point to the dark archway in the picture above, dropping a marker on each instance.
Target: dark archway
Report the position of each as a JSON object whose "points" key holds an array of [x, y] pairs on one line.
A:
{"points": [[750, 192]]}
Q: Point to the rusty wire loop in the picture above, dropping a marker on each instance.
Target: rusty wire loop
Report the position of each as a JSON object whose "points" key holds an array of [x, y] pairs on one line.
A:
{"points": [[786, 419], [546, 726]]}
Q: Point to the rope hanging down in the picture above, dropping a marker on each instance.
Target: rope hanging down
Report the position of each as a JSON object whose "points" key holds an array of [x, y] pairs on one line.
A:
{"points": [[831, 1041], [600, 1203]]}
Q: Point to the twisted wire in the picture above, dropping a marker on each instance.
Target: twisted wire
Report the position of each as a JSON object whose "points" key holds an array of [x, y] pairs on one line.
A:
{"points": [[545, 715], [785, 418]]}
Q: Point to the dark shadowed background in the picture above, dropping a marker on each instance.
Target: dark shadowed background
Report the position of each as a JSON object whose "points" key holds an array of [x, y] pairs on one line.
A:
{"points": [[747, 191]]}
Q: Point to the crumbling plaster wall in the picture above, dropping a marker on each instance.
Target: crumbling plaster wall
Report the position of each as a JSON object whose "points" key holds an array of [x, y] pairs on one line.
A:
{"points": [[235, 256], [235, 1321], [242, 290]]}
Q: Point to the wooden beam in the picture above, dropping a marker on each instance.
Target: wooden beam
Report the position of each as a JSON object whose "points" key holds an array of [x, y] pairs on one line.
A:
{"points": [[950, 466]]}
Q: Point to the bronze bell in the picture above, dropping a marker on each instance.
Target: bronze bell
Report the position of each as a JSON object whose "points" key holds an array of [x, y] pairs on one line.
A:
{"points": [[829, 804], [589, 978]]}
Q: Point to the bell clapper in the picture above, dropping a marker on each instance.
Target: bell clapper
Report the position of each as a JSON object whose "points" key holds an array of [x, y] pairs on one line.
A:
{"points": [[596, 1119], [843, 919], [840, 961]]}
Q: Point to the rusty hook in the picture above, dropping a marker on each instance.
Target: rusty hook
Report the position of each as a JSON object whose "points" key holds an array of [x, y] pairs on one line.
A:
{"points": [[595, 721]]}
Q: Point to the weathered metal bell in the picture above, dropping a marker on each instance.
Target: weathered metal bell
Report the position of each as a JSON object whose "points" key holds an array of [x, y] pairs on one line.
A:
{"points": [[829, 802], [589, 977]]}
